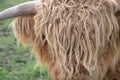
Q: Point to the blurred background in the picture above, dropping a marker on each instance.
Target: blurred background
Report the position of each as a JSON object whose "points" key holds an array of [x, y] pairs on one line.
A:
{"points": [[16, 62]]}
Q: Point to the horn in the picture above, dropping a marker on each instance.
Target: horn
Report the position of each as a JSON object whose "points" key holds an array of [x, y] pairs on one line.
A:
{"points": [[27, 8]]}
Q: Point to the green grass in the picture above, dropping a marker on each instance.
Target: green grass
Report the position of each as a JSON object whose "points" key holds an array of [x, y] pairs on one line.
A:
{"points": [[15, 62]]}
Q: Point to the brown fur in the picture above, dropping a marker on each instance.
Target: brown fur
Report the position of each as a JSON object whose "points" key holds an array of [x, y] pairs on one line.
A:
{"points": [[76, 39]]}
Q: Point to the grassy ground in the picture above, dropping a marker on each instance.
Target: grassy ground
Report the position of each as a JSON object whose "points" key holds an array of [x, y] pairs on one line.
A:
{"points": [[15, 62]]}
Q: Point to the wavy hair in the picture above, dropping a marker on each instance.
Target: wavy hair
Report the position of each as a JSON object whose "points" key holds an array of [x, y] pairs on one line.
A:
{"points": [[71, 36]]}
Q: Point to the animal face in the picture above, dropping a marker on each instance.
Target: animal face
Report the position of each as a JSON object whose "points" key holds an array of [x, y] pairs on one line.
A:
{"points": [[77, 40]]}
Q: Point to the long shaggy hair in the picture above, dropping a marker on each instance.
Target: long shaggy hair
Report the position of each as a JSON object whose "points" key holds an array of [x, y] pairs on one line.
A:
{"points": [[76, 39]]}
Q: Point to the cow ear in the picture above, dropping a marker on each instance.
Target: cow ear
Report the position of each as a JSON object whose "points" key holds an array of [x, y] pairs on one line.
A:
{"points": [[27, 8]]}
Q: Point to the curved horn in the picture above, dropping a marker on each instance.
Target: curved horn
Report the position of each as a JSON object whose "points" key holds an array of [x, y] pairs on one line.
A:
{"points": [[26, 8]]}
